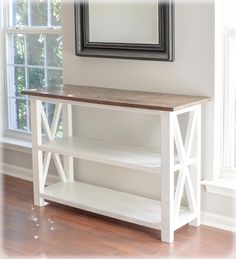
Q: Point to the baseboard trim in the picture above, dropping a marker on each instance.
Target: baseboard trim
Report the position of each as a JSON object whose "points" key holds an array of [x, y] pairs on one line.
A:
{"points": [[217, 221], [23, 173]]}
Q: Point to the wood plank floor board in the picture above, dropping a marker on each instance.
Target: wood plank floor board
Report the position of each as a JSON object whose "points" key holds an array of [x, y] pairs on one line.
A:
{"points": [[79, 234]]}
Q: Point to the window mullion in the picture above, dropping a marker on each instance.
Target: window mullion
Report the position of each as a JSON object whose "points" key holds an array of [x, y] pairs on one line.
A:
{"points": [[9, 13], [45, 70], [26, 80], [26, 63], [29, 12], [227, 121], [231, 110], [12, 108], [229, 105], [34, 29], [28, 66], [45, 61], [49, 13]]}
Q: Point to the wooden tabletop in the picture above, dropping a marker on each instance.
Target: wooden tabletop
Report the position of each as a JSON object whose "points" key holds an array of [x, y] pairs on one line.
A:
{"points": [[117, 97]]}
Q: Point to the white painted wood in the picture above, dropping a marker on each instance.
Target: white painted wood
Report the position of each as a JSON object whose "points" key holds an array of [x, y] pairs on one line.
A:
{"points": [[167, 215], [178, 165], [46, 163], [218, 221], [45, 123], [184, 218], [196, 171], [107, 152], [167, 179], [183, 170], [68, 132], [51, 133], [59, 167], [179, 191], [107, 202], [67, 118], [35, 29], [184, 174], [55, 120], [185, 110], [189, 187], [37, 155], [188, 146], [191, 128], [124, 206], [225, 187]]}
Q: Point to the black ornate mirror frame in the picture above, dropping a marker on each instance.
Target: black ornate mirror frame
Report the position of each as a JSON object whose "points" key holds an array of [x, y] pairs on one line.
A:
{"points": [[163, 51]]}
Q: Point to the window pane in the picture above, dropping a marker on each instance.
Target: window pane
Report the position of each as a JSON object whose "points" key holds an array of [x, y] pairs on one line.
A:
{"points": [[19, 48], [19, 12], [33, 58], [50, 107], [36, 78], [60, 129], [22, 114], [39, 13], [54, 50], [16, 79], [54, 77], [19, 80], [18, 114], [35, 49], [56, 12], [29, 116]]}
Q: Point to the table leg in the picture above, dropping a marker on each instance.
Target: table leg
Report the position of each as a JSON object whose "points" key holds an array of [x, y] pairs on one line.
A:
{"points": [[37, 155], [167, 182], [67, 132]]}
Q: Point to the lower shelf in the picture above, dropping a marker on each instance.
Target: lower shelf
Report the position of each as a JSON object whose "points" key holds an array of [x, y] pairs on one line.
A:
{"points": [[115, 204]]}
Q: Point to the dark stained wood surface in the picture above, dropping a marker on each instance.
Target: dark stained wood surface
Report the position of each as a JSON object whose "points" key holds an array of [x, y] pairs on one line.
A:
{"points": [[79, 234], [117, 97]]}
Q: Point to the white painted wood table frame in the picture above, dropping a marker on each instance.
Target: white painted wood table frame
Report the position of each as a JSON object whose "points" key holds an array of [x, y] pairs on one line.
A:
{"points": [[179, 156]]}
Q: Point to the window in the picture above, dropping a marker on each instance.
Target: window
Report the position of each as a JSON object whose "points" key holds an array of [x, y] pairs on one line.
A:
{"points": [[229, 134], [34, 55]]}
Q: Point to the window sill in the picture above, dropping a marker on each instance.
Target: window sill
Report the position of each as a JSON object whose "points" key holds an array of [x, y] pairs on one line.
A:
{"points": [[221, 186], [16, 144]]}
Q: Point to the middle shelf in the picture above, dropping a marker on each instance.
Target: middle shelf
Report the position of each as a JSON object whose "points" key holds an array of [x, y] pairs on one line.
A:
{"points": [[138, 158]]}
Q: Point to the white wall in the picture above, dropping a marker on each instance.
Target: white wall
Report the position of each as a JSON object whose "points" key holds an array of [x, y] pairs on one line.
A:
{"points": [[191, 73]]}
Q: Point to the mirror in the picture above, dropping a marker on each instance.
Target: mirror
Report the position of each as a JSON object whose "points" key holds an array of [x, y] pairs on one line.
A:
{"points": [[130, 29], [124, 22]]}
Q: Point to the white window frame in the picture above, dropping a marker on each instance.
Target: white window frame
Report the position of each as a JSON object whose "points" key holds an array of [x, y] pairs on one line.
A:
{"points": [[228, 150], [7, 31], [219, 179]]}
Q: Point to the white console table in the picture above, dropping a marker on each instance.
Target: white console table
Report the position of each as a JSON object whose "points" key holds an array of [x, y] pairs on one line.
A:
{"points": [[177, 156]]}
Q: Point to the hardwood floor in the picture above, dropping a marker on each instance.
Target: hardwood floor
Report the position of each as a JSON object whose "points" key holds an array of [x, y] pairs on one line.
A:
{"points": [[67, 232]]}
